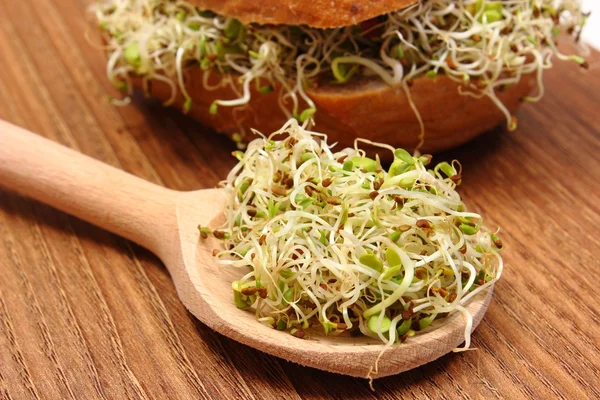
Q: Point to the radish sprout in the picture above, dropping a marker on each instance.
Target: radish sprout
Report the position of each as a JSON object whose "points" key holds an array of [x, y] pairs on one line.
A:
{"points": [[328, 238], [484, 45]]}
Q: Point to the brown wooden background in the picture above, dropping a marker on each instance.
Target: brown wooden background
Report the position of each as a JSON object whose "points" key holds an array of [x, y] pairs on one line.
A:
{"points": [[86, 315]]}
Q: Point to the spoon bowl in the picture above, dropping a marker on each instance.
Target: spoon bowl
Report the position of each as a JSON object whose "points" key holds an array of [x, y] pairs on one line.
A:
{"points": [[165, 222]]}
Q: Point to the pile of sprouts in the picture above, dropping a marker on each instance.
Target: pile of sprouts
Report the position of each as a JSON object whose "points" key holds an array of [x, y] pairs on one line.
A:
{"points": [[330, 239], [484, 45]]}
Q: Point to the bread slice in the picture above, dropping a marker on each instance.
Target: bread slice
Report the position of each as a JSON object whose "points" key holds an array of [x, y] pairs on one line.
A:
{"points": [[366, 108], [314, 13]]}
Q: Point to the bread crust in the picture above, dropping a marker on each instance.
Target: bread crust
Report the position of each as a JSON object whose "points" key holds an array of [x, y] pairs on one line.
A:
{"points": [[367, 108], [314, 13]]}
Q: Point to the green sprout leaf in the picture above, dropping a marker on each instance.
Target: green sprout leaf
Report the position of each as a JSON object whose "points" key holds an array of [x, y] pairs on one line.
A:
{"points": [[376, 327], [234, 29], [287, 296], [266, 89], [187, 105], [371, 261], [395, 236], [492, 16], [425, 322], [340, 73], [240, 156], [404, 156], [404, 327], [202, 45], [468, 229], [446, 168], [306, 156], [392, 258], [306, 114], [323, 238], [398, 167], [329, 326], [400, 52], [365, 163], [241, 301], [132, 54], [281, 325]]}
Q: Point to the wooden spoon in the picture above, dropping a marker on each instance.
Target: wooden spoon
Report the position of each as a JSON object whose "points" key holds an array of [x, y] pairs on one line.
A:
{"points": [[165, 222]]}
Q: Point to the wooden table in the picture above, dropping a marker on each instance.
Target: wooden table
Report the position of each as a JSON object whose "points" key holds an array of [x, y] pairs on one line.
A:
{"points": [[85, 314]]}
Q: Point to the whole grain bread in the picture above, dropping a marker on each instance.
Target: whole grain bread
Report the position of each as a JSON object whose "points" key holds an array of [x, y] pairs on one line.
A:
{"points": [[314, 13], [367, 108]]}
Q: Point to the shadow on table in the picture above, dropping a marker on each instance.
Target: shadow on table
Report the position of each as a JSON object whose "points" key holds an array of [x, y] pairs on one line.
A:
{"points": [[260, 370], [176, 131], [35, 212]]}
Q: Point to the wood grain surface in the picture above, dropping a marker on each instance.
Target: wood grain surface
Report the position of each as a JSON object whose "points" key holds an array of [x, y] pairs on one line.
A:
{"points": [[87, 315]]}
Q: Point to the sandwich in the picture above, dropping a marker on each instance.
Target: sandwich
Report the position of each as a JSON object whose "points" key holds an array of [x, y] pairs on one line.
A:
{"points": [[420, 74]]}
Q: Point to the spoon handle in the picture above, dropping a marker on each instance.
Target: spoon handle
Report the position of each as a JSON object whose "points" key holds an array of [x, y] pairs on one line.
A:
{"points": [[84, 187]]}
